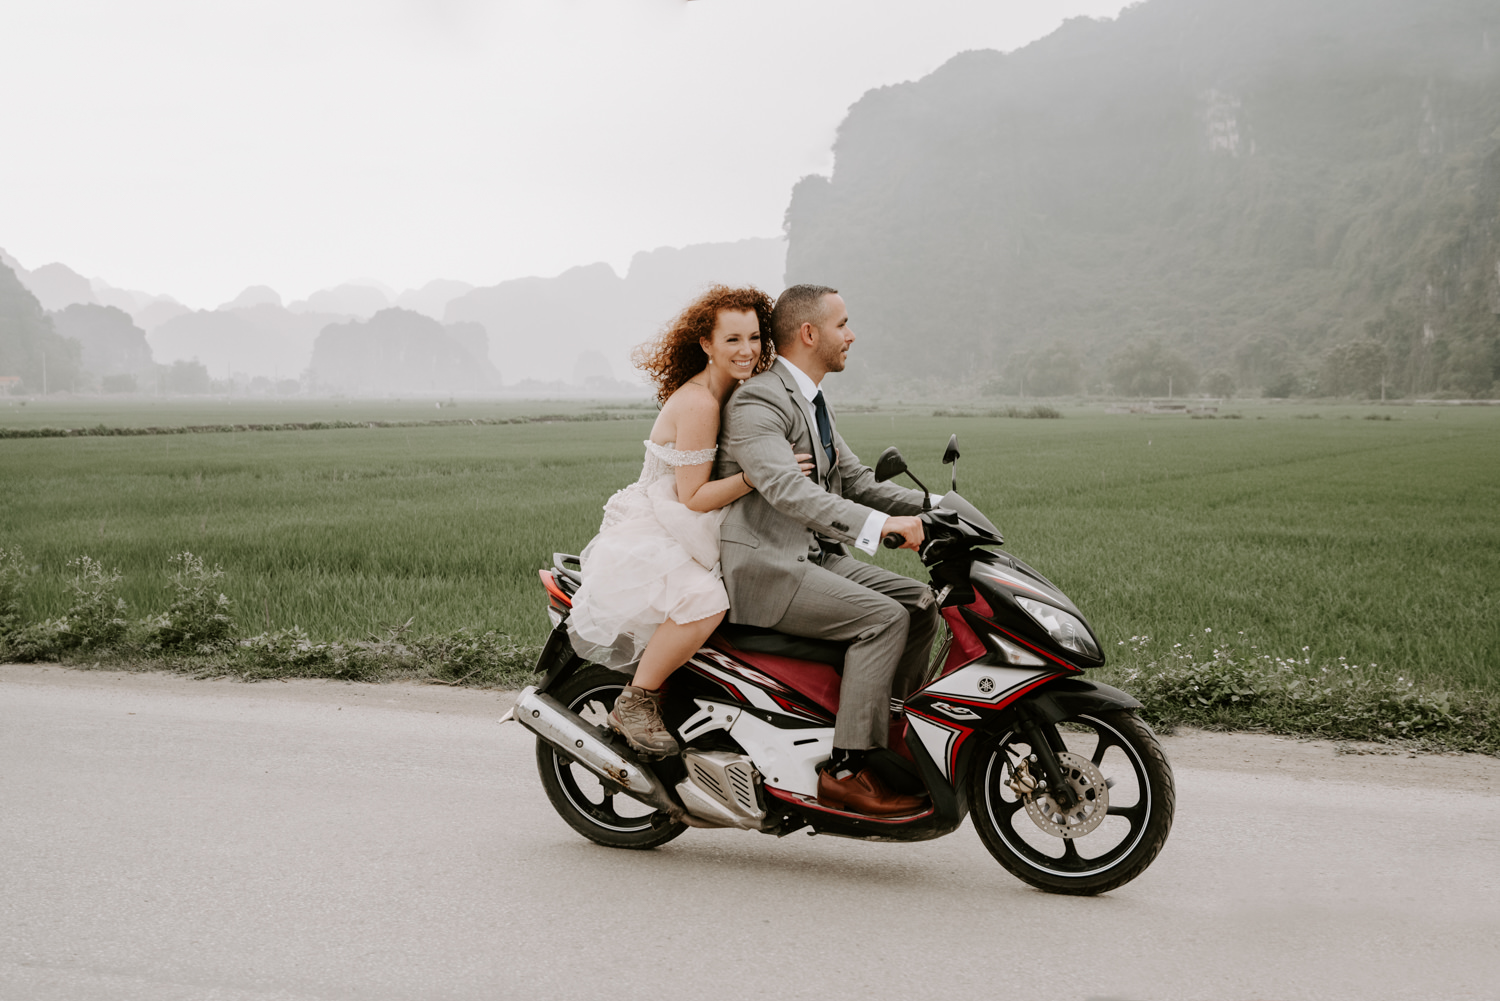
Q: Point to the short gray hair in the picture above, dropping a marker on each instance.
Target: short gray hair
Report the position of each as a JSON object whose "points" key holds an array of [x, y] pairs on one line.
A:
{"points": [[797, 305]]}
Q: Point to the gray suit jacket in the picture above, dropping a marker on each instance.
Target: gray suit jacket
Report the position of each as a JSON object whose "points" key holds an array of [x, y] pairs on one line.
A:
{"points": [[768, 533]]}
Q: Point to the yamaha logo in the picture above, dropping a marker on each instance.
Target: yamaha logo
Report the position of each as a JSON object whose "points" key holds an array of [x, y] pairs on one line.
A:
{"points": [[986, 685]]}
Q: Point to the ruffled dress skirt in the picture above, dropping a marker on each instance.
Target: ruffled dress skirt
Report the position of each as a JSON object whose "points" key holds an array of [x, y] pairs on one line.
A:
{"points": [[653, 559]]}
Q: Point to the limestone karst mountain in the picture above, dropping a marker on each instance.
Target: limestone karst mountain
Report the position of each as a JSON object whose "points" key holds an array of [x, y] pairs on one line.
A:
{"points": [[362, 301], [154, 314], [571, 332], [1253, 185], [398, 351], [254, 295], [540, 328], [262, 340], [57, 286], [432, 299], [110, 342], [33, 356]]}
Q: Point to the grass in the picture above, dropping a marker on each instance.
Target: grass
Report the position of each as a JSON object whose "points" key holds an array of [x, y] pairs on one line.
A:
{"points": [[1371, 540], [1375, 541], [135, 412], [342, 533]]}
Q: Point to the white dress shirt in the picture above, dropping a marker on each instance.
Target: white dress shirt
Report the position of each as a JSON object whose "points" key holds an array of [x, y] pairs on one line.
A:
{"points": [[869, 534]]}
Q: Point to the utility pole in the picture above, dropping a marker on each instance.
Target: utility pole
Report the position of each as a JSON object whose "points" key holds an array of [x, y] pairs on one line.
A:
{"points": [[44, 370]]}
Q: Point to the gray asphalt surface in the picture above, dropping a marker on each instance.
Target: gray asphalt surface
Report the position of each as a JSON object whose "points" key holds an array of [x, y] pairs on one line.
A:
{"points": [[166, 839]]}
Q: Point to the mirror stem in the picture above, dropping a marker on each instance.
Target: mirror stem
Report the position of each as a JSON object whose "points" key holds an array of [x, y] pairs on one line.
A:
{"points": [[926, 496]]}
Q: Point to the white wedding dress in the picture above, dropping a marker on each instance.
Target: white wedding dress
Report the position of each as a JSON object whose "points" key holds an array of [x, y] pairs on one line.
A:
{"points": [[653, 559]]}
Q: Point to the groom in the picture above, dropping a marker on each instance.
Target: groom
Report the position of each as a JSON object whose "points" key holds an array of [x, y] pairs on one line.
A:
{"points": [[783, 557]]}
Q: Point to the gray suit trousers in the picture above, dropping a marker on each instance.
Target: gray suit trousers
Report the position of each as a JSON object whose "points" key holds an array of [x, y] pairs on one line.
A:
{"points": [[890, 620]]}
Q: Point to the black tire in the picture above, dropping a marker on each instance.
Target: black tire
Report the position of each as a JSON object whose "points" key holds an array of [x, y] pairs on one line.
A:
{"points": [[617, 821], [1132, 833]]}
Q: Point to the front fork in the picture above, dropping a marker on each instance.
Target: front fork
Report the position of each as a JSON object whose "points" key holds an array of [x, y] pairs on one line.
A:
{"points": [[1045, 756]]}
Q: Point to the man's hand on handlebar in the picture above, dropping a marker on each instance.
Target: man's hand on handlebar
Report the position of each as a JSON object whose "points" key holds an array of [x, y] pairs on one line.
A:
{"points": [[902, 532]]}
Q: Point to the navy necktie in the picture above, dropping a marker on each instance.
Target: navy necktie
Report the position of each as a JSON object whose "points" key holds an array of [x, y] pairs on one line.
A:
{"points": [[825, 426]]}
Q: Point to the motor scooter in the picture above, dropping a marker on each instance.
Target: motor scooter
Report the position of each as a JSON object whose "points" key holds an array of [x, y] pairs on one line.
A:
{"points": [[1067, 786]]}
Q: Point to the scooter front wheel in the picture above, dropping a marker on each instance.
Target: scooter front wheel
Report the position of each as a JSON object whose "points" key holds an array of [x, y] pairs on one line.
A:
{"points": [[612, 819], [1114, 829]]}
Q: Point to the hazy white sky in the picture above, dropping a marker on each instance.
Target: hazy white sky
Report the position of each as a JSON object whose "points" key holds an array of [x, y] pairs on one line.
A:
{"points": [[194, 147]]}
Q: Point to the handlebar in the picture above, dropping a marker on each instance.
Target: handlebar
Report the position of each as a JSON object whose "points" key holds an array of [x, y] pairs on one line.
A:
{"points": [[893, 541]]}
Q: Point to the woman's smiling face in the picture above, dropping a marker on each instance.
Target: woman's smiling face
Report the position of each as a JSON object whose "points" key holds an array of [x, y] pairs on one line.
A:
{"points": [[735, 346]]}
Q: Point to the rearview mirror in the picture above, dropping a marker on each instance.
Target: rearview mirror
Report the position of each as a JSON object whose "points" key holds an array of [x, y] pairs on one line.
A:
{"points": [[889, 465], [950, 454]]}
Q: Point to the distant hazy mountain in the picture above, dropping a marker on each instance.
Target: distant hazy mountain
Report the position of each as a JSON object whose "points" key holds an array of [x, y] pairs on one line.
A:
{"points": [[540, 328], [30, 349], [154, 314], [432, 299], [344, 300], [57, 286], [398, 351], [255, 295], [572, 331], [262, 340], [111, 343], [1251, 184]]}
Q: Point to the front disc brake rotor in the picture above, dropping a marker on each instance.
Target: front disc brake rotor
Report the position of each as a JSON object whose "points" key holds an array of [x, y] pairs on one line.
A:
{"points": [[1086, 814]]}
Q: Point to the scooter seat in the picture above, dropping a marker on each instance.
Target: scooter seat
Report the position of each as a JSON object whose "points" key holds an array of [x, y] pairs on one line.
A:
{"points": [[757, 639]]}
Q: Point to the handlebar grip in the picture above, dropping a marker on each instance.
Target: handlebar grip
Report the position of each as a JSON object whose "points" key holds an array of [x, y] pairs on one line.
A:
{"points": [[893, 541]]}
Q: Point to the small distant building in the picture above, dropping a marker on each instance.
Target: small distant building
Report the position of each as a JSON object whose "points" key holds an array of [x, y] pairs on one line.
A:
{"points": [[9, 383]]}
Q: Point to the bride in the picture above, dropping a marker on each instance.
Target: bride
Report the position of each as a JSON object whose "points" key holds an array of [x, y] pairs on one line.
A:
{"points": [[651, 591]]}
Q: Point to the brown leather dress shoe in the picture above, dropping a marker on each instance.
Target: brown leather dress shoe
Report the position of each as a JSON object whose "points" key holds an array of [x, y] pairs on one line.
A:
{"points": [[863, 792]]}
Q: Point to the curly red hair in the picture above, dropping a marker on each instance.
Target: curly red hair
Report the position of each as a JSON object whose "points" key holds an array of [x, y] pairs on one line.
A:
{"points": [[676, 355]]}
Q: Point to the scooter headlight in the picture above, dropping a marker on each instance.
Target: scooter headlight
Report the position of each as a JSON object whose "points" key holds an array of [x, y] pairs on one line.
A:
{"points": [[1066, 629]]}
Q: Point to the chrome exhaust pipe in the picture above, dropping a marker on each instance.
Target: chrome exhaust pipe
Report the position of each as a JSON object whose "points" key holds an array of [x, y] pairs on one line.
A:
{"points": [[575, 737]]}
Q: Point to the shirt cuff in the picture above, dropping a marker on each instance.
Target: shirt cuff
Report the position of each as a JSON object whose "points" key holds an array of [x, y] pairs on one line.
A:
{"points": [[869, 535]]}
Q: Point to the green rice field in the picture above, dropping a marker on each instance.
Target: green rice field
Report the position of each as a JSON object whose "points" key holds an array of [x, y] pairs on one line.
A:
{"points": [[1309, 527]]}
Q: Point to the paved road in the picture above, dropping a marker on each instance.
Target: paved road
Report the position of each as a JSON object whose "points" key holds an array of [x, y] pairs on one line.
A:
{"points": [[166, 839]]}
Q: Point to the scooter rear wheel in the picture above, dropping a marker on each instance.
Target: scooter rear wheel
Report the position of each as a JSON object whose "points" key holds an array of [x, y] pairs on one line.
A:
{"points": [[1075, 855], [612, 819]]}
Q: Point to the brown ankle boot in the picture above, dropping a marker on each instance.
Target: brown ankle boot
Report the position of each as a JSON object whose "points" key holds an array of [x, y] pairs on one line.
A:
{"points": [[637, 717]]}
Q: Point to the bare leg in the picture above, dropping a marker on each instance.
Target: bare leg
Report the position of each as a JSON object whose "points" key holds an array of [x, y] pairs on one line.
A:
{"points": [[670, 647]]}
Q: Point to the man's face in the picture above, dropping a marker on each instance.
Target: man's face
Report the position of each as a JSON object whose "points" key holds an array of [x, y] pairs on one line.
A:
{"points": [[833, 333]]}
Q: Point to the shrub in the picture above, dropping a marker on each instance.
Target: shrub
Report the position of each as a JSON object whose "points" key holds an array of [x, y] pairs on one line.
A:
{"points": [[1284, 387], [462, 658], [1038, 411], [488, 658], [291, 653], [13, 574], [1042, 411], [1236, 688], [1219, 383], [198, 620], [96, 619]]}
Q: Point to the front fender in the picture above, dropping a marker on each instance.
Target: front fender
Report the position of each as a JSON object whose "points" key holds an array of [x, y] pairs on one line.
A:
{"points": [[1070, 696]]}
